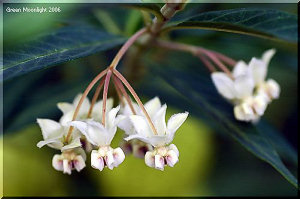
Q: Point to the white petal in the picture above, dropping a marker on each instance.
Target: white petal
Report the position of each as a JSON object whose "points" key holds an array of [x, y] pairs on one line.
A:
{"points": [[243, 112], [66, 118], [159, 162], [53, 143], [79, 163], [50, 128], [85, 104], [57, 162], [174, 148], [97, 162], [125, 124], [260, 104], [244, 86], [223, 84], [109, 159], [176, 121], [239, 69], [119, 156], [149, 159], [171, 158], [159, 120], [65, 107], [97, 110], [94, 132], [158, 140], [141, 125], [273, 88], [152, 106], [259, 70], [74, 143], [137, 136], [111, 117], [267, 56], [66, 167]]}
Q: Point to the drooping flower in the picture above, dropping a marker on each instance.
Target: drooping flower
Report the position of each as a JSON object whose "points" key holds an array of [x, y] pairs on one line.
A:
{"points": [[138, 148], [165, 135], [101, 136], [54, 134]]}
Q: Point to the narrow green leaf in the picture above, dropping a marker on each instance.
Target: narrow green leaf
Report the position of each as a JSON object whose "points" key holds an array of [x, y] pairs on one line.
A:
{"points": [[56, 47], [266, 23]]}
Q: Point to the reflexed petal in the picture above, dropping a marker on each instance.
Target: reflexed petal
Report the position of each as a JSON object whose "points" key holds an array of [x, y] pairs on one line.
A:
{"points": [[50, 128], [160, 140], [174, 148], [243, 112], [267, 56], [259, 70], [125, 124], [79, 163], [259, 105], [171, 158], [74, 143], [111, 117], [94, 132], [159, 120], [97, 162], [57, 162], [244, 86], [97, 110], [241, 68], [66, 118], [152, 106], [53, 143], [176, 121], [141, 125], [137, 136], [159, 162], [85, 104], [119, 156], [66, 167], [224, 85], [65, 107], [149, 159]]}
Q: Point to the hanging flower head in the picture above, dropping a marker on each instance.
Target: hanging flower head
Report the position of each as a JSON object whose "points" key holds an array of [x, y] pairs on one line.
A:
{"points": [[72, 156], [165, 135], [101, 136]]}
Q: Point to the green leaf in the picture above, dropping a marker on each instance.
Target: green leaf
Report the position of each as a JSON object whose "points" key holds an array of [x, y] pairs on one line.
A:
{"points": [[192, 89], [149, 7], [56, 47], [272, 24]]}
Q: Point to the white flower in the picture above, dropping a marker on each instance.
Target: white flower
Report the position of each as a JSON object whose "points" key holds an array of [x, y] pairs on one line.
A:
{"points": [[162, 156], [248, 104], [69, 160], [69, 108], [101, 136], [54, 135], [165, 132]]}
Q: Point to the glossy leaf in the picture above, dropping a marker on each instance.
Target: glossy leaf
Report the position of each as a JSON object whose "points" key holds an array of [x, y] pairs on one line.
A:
{"points": [[56, 47], [273, 24]]}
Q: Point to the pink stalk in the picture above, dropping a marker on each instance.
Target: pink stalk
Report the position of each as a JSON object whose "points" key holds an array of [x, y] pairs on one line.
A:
{"points": [[118, 92], [121, 87], [137, 99], [95, 97], [207, 63], [85, 93], [106, 84]]}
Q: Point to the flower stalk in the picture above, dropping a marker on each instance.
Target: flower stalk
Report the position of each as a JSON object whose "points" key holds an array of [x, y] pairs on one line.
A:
{"points": [[95, 97], [105, 91]]}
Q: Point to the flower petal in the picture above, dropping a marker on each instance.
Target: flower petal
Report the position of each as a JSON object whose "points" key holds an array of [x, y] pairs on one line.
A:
{"points": [[176, 121], [94, 132], [68, 117], [159, 120], [50, 128], [53, 143], [174, 148], [152, 106], [97, 161], [259, 70], [244, 86], [141, 125], [171, 158], [66, 166], [111, 117], [79, 163], [57, 162], [149, 159], [241, 68], [74, 143], [65, 107], [267, 56], [109, 159], [125, 124], [273, 88], [224, 85], [159, 162], [119, 156], [85, 104]]}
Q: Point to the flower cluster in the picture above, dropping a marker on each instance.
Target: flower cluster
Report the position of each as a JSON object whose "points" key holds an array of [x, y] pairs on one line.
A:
{"points": [[247, 87], [90, 135]]}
